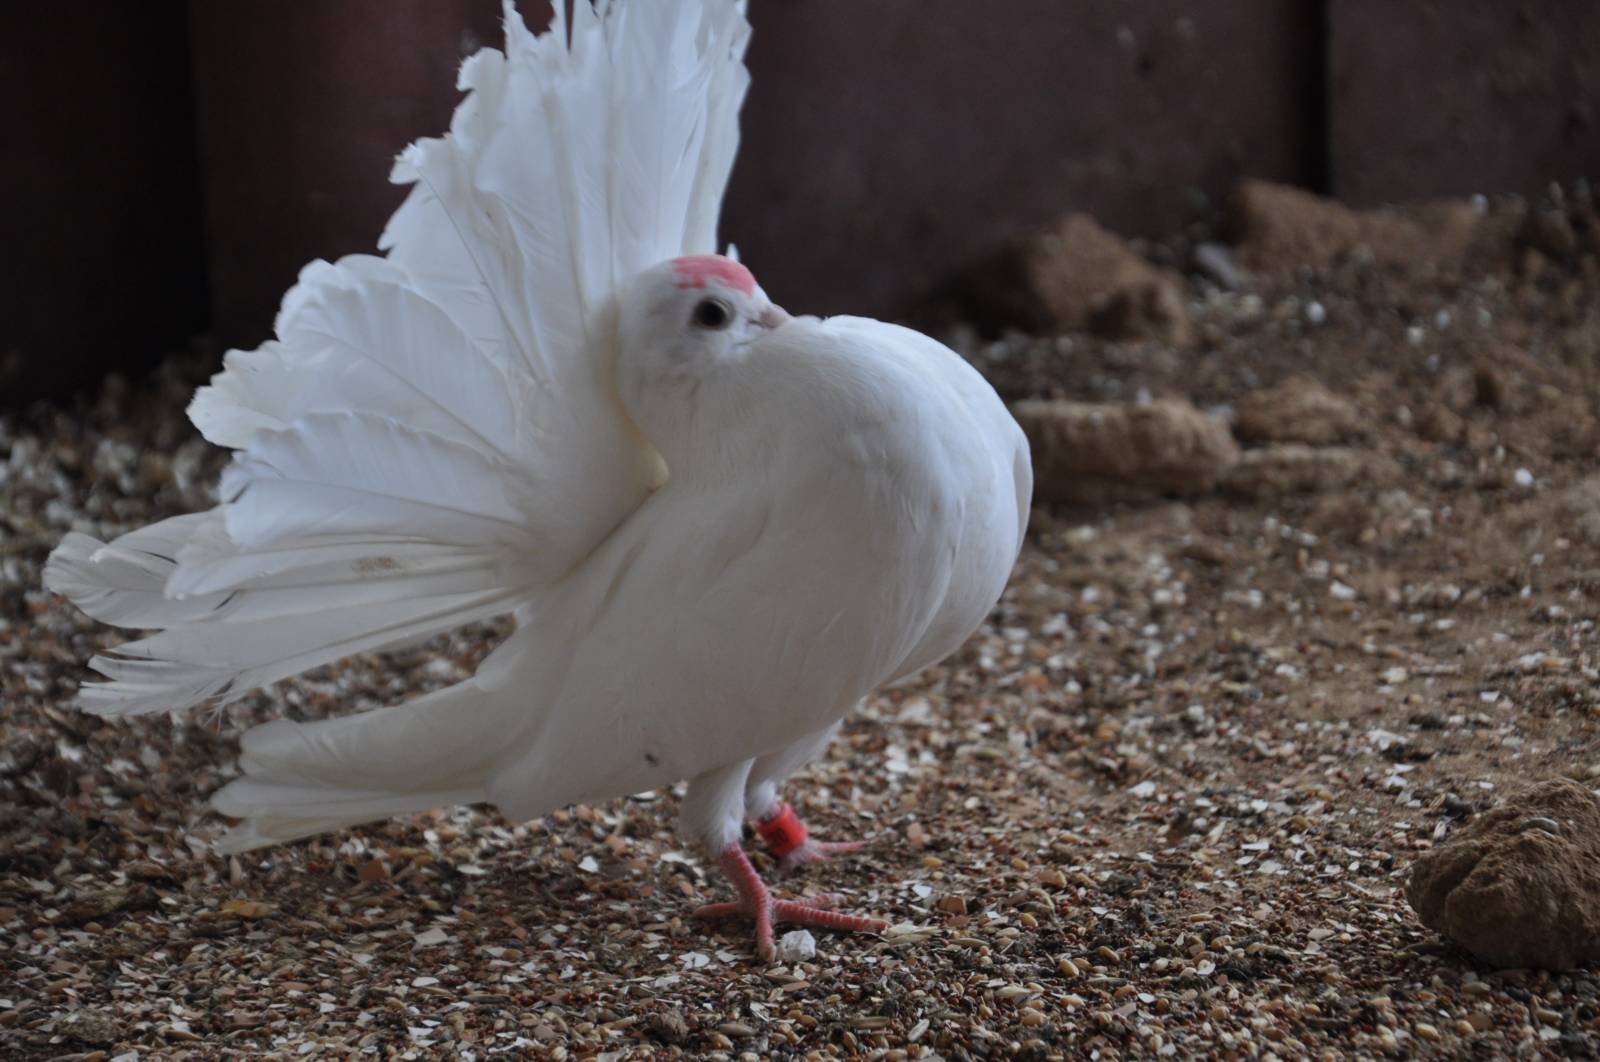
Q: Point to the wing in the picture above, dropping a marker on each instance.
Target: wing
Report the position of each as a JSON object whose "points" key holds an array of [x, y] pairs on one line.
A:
{"points": [[433, 436]]}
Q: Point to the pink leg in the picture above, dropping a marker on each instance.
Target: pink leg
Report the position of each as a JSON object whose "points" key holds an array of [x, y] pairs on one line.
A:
{"points": [[756, 903]]}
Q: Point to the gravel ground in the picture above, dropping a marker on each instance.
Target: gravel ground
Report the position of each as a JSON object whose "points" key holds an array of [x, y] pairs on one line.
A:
{"points": [[1162, 804]]}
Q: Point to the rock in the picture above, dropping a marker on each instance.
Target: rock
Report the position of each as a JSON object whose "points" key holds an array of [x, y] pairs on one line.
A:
{"points": [[1519, 886], [1215, 262], [1086, 453], [1297, 410], [1439, 423], [94, 1027], [1278, 229], [1146, 310], [1076, 276], [93, 906], [1294, 468], [669, 1026], [796, 945], [150, 872]]}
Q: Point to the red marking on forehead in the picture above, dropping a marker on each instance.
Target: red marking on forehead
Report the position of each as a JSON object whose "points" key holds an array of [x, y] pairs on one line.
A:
{"points": [[695, 269]]}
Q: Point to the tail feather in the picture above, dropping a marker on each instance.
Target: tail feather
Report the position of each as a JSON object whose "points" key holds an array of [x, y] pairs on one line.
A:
{"points": [[324, 811], [123, 583], [232, 618], [306, 778], [217, 663]]}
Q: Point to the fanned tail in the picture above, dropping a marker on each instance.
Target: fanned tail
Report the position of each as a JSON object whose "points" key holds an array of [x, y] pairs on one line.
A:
{"points": [[433, 437]]}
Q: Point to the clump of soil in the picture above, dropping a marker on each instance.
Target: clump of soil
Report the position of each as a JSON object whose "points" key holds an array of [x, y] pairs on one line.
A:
{"points": [[1296, 410], [1519, 885], [1088, 453], [1279, 230], [1074, 275], [1294, 468]]}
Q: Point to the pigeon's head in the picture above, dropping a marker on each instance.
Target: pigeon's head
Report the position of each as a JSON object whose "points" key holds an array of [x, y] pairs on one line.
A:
{"points": [[679, 321]]}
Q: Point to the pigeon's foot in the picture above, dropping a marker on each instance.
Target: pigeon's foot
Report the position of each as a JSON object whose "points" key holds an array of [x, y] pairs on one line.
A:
{"points": [[756, 902], [787, 839]]}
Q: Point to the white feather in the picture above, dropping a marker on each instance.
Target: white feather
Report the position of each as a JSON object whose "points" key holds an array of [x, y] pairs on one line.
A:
{"points": [[355, 473], [306, 778], [218, 662], [124, 583]]}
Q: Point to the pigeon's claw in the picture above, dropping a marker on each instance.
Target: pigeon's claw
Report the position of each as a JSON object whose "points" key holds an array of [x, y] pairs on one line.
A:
{"points": [[756, 902], [813, 852]]}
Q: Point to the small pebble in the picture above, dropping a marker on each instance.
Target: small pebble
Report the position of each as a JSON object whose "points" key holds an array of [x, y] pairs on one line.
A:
{"points": [[1215, 261], [796, 945]]}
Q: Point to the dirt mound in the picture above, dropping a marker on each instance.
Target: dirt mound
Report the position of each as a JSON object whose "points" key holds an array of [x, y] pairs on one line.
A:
{"points": [[1075, 276], [1294, 468], [1563, 229], [1086, 453], [1299, 410], [1520, 886], [1278, 229]]}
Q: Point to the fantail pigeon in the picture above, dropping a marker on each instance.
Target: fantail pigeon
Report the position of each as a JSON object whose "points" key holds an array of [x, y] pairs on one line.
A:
{"points": [[719, 526]]}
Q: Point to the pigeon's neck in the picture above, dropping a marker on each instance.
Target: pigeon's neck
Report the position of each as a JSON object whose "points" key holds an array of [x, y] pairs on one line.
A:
{"points": [[666, 416]]}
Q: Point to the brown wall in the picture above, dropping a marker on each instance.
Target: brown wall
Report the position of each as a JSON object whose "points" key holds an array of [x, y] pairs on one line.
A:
{"points": [[884, 143], [1452, 97], [302, 108], [882, 148], [100, 241]]}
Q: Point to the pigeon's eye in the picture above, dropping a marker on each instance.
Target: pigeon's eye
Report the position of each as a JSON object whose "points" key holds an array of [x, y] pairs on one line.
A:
{"points": [[712, 313]]}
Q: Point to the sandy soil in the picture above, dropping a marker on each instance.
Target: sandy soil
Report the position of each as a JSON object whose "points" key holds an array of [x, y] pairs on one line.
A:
{"points": [[1162, 804]]}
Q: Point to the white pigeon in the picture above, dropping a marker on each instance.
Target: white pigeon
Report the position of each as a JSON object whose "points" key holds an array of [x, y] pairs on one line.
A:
{"points": [[719, 527]]}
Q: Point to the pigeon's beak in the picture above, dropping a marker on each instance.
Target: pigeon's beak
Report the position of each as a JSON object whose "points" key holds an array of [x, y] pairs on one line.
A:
{"points": [[773, 316]]}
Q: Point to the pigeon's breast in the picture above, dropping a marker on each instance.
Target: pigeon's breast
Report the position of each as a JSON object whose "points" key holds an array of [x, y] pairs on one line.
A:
{"points": [[857, 523], [964, 472], [889, 470]]}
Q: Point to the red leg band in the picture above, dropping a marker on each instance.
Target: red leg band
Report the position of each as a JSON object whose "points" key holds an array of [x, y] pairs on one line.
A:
{"points": [[782, 832]]}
